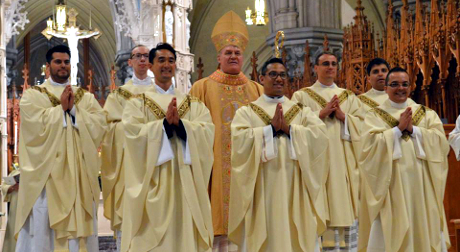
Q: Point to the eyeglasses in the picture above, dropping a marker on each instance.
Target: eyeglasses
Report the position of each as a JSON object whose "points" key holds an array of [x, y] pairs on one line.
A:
{"points": [[139, 56], [396, 85], [275, 75], [328, 63]]}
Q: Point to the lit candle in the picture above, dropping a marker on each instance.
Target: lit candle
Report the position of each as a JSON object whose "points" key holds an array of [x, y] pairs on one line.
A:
{"points": [[15, 138]]}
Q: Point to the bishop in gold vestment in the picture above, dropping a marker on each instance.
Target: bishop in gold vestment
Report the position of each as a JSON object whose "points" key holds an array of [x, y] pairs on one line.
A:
{"points": [[404, 168], [223, 92]]}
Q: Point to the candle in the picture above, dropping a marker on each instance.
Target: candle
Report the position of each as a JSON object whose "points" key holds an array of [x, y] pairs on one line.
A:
{"points": [[15, 138], [90, 18]]}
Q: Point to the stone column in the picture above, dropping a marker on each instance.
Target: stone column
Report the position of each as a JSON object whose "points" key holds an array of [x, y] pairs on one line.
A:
{"points": [[303, 20], [3, 116], [146, 27]]}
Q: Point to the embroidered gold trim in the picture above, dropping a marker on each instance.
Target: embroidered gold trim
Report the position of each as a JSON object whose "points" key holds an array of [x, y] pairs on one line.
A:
{"points": [[79, 95], [153, 106], [292, 113], [392, 122], [184, 107], [344, 95], [53, 99], [261, 113], [288, 116], [368, 101], [321, 101], [315, 96], [123, 93]]}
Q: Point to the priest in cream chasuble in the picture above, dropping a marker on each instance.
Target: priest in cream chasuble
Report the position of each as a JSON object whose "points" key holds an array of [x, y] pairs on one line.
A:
{"points": [[342, 112], [404, 169], [168, 161], [61, 129], [112, 147], [279, 164], [223, 92]]}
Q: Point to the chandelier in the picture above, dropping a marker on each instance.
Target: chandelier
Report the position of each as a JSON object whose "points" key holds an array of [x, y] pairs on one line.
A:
{"points": [[259, 17]]}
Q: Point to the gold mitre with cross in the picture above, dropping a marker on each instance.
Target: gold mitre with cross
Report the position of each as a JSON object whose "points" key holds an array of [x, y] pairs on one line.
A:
{"points": [[230, 30]]}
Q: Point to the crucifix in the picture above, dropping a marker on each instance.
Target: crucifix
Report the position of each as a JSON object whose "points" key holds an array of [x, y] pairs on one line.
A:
{"points": [[72, 34]]}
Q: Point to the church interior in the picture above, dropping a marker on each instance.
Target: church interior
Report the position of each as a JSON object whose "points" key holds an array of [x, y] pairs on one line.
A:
{"points": [[422, 36]]}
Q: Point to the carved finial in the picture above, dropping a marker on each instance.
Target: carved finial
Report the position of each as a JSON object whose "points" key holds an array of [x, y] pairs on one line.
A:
{"points": [[326, 44], [113, 74]]}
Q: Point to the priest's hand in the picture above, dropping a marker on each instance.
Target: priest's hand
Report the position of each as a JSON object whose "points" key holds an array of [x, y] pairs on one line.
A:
{"points": [[284, 125], [71, 98], [339, 114], [405, 120], [410, 127], [13, 188], [172, 116], [276, 120], [330, 108], [65, 99]]}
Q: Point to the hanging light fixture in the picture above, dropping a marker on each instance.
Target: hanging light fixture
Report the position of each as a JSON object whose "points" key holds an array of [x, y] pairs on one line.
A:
{"points": [[259, 17], [61, 17]]}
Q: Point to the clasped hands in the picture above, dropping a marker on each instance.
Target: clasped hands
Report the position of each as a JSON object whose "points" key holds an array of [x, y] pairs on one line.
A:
{"points": [[67, 99], [405, 121], [333, 109], [172, 116], [278, 121]]}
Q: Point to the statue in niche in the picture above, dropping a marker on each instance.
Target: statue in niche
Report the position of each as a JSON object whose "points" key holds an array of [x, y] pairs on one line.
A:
{"points": [[169, 24], [187, 38]]}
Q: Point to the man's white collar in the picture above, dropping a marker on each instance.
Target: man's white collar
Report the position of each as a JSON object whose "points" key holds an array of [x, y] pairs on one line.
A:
{"points": [[162, 91], [326, 86], [378, 91], [145, 82], [398, 105], [57, 83], [273, 99]]}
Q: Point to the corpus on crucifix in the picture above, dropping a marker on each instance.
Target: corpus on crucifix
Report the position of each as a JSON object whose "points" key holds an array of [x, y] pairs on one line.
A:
{"points": [[72, 34]]}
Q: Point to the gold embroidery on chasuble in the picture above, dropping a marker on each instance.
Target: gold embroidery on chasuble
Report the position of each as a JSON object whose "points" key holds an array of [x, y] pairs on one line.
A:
{"points": [[156, 109], [123, 93], [368, 101], [392, 122], [321, 101], [232, 95], [53, 99], [56, 101], [288, 116]]}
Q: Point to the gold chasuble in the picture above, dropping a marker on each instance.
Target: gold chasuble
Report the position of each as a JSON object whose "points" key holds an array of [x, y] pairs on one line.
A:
{"points": [[113, 183], [343, 178], [274, 204], [62, 160], [404, 179], [223, 94], [166, 204]]}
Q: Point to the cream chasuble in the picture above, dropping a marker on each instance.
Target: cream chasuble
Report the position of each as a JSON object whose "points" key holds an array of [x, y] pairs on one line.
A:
{"points": [[403, 180], [166, 204], [373, 98], [9, 242], [223, 94], [343, 178], [274, 203], [61, 158], [113, 184]]}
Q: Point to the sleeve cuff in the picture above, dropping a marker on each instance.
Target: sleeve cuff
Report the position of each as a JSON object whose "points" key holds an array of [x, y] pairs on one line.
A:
{"points": [[418, 140], [397, 153], [268, 144], [345, 133]]}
